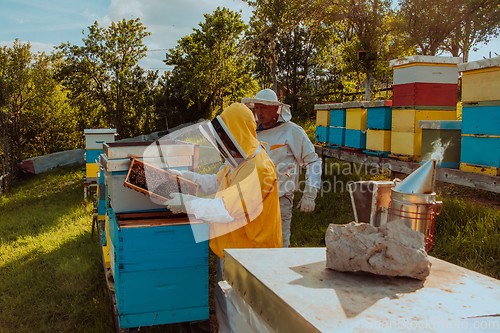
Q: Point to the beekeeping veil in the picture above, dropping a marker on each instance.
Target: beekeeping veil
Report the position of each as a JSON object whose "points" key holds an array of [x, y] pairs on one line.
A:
{"points": [[217, 133]]}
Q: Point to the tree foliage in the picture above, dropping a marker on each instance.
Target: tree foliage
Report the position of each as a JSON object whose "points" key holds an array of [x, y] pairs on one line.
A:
{"points": [[452, 25], [35, 116], [482, 25], [206, 75], [105, 70]]}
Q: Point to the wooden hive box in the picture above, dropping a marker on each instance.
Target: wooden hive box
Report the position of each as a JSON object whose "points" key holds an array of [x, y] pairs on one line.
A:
{"points": [[379, 114], [323, 118], [378, 142], [94, 141], [481, 118], [425, 81], [355, 139], [406, 120], [425, 94], [482, 151], [355, 116], [449, 132], [480, 80], [406, 146], [321, 134], [160, 271], [336, 136], [337, 114], [116, 161]]}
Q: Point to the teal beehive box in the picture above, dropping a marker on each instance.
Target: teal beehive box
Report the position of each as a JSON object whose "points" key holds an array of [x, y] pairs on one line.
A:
{"points": [[160, 269], [336, 136], [321, 134], [379, 114]]}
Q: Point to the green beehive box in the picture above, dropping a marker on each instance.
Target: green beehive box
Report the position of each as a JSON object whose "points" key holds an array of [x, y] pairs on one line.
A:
{"points": [[442, 138]]}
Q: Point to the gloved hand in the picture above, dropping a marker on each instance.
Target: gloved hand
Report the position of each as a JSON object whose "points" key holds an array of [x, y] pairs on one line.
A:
{"points": [[189, 175], [306, 203], [180, 203]]}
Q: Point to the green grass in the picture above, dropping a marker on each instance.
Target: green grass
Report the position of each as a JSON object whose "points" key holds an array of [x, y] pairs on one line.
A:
{"points": [[51, 270], [50, 267], [468, 235]]}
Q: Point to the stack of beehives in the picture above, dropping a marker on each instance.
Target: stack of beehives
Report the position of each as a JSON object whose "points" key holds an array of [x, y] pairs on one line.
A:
{"points": [[424, 88], [94, 140], [158, 260], [330, 124], [378, 124], [355, 127], [481, 116]]}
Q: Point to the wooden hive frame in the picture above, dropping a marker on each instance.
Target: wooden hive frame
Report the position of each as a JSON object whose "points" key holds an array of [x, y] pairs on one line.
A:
{"points": [[173, 182]]}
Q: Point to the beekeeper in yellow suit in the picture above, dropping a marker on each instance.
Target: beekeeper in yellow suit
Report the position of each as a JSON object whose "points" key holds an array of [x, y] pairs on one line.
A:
{"points": [[289, 148], [245, 212]]}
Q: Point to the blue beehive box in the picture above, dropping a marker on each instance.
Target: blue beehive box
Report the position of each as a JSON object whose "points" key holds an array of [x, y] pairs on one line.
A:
{"points": [[321, 134], [481, 119], [337, 117], [336, 136], [160, 271], [379, 114], [355, 139], [480, 150]]}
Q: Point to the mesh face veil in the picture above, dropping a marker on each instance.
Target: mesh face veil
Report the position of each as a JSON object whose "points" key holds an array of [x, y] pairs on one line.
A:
{"points": [[217, 133]]}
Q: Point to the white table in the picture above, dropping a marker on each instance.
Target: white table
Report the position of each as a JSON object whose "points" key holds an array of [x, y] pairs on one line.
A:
{"points": [[291, 290]]}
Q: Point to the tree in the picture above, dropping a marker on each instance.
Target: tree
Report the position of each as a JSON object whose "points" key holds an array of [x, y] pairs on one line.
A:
{"points": [[482, 25], [206, 76], [106, 69], [35, 117], [428, 23], [368, 35]]}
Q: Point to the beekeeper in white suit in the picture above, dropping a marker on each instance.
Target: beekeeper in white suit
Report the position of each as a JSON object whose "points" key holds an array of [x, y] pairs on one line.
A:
{"points": [[288, 147]]}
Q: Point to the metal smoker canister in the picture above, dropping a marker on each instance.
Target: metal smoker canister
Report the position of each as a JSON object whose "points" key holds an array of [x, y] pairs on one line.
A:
{"points": [[414, 201]]}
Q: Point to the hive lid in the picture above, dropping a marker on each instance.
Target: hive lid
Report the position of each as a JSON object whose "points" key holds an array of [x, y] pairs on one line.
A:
{"points": [[99, 131], [415, 59], [329, 106], [376, 104], [353, 104], [484, 63], [420, 181]]}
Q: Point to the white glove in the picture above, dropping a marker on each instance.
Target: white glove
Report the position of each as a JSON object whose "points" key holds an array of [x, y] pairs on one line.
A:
{"points": [[189, 175], [180, 203], [306, 203]]}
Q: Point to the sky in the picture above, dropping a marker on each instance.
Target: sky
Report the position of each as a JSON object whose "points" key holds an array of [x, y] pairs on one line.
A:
{"points": [[48, 23]]}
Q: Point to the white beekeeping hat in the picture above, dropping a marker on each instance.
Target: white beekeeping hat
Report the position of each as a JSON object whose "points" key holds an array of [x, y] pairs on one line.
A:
{"points": [[268, 97]]}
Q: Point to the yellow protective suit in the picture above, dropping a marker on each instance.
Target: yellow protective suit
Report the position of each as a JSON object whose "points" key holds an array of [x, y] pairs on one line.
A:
{"points": [[256, 210]]}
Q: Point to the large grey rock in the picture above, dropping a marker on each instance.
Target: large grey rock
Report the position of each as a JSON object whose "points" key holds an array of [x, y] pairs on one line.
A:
{"points": [[392, 249]]}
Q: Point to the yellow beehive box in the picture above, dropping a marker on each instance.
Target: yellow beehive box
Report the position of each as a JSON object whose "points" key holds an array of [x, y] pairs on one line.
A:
{"points": [[407, 143], [323, 118], [378, 140], [480, 80], [406, 120], [91, 170], [356, 119]]}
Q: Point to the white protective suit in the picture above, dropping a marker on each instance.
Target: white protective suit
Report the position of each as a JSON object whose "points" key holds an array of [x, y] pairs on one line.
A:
{"points": [[289, 147]]}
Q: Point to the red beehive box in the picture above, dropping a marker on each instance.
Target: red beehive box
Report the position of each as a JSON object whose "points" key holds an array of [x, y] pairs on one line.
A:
{"points": [[425, 94]]}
